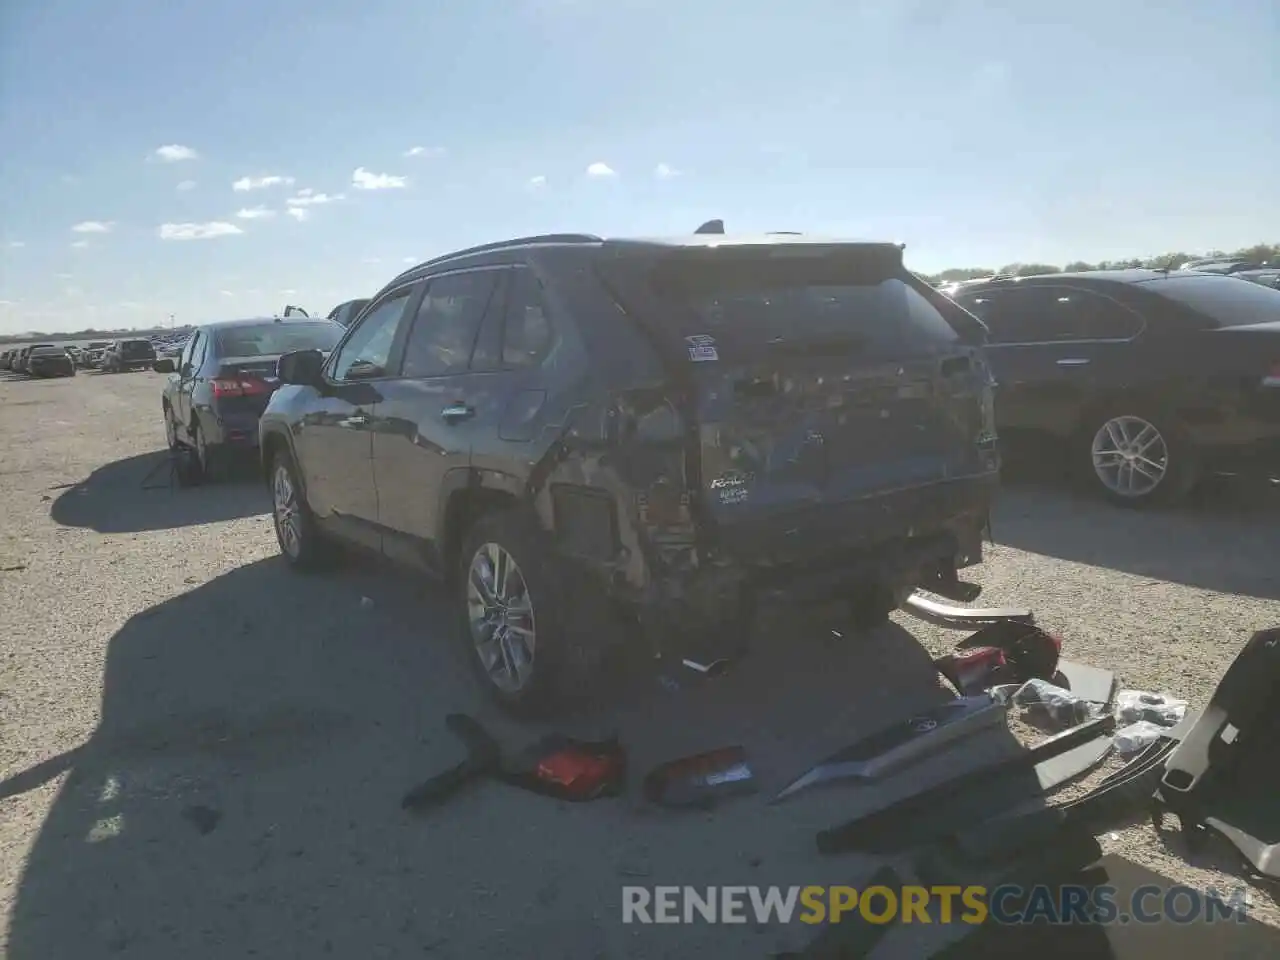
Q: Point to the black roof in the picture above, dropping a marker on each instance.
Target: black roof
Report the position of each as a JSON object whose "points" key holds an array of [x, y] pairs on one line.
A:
{"points": [[592, 241]]}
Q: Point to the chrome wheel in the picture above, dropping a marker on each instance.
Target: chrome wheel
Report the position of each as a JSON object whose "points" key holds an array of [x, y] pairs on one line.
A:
{"points": [[284, 500], [500, 614], [1130, 456]]}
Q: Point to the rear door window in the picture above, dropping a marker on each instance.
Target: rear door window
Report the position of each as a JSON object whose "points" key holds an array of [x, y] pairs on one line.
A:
{"points": [[1046, 314], [742, 307], [447, 323], [527, 335]]}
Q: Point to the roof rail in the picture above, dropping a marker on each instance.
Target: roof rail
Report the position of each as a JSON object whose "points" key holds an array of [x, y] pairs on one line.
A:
{"points": [[503, 244]]}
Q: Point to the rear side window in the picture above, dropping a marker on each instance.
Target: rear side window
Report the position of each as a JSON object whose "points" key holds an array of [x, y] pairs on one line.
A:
{"points": [[1221, 301], [742, 307]]}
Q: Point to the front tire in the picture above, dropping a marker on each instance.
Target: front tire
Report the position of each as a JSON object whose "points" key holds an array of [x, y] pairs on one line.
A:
{"points": [[1137, 458], [296, 532], [510, 601]]}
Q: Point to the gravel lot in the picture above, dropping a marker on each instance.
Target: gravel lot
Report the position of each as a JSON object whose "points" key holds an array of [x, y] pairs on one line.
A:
{"points": [[202, 754]]}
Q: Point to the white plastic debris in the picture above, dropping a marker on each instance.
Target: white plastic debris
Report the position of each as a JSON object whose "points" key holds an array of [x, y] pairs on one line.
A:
{"points": [[1137, 736], [1161, 709]]}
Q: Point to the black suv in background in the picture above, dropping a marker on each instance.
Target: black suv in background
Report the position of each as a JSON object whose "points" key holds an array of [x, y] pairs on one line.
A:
{"points": [[1148, 379], [344, 313], [124, 355], [581, 433]]}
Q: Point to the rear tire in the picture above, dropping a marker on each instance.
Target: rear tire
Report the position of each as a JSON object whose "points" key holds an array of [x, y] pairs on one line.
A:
{"points": [[510, 599], [1136, 457]]}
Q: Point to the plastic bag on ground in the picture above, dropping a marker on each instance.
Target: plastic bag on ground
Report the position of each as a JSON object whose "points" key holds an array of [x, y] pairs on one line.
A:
{"points": [[1137, 736], [1158, 708], [1040, 698]]}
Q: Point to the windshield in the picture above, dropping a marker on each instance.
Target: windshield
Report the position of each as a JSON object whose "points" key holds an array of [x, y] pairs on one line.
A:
{"points": [[48, 352], [276, 339], [1227, 301]]}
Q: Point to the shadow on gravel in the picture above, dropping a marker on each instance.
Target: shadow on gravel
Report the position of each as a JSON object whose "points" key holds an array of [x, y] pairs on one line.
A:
{"points": [[241, 793], [1225, 539], [136, 494]]}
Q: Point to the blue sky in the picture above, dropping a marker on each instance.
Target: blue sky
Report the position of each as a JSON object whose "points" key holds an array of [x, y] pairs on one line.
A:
{"points": [[975, 132]]}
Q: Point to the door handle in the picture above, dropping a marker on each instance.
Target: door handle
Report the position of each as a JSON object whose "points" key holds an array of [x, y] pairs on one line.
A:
{"points": [[359, 420], [457, 411], [1073, 362]]}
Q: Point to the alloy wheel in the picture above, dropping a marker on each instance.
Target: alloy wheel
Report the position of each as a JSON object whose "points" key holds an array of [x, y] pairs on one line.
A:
{"points": [[1130, 456], [501, 618], [284, 503]]}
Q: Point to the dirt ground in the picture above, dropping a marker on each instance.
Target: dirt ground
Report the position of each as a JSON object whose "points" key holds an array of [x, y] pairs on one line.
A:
{"points": [[202, 754]]}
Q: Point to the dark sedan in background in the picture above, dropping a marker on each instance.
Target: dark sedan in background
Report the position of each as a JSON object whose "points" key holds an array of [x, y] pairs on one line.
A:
{"points": [[220, 384], [1148, 379]]}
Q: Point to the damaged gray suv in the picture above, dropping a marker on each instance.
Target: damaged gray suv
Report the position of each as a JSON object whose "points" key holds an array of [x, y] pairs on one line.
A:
{"points": [[601, 442]]}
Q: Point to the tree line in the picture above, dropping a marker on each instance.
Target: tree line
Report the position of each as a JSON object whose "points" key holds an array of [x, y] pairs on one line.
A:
{"points": [[1258, 253]]}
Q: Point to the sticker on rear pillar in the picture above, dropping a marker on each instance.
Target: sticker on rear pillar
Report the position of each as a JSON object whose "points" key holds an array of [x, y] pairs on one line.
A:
{"points": [[702, 348]]}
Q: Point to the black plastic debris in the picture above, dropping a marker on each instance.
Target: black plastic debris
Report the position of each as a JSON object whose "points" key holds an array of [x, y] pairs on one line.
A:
{"points": [[902, 743], [701, 780]]}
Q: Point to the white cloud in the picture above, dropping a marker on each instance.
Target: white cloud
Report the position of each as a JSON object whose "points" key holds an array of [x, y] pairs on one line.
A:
{"points": [[17, 243], [66, 276], [363, 179], [537, 182], [409, 260], [424, 152], [255, 213], [261, 183], [298, 213], [174, 152], [288, 292], [371, 260], [79, 244], [92, 226], [197, 231], [226, 293], [664, 171], [599, 169], [186, 185], [306, 197]]}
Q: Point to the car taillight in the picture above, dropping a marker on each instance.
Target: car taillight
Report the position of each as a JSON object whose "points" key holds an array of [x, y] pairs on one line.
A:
{"points": [[240, 387]]}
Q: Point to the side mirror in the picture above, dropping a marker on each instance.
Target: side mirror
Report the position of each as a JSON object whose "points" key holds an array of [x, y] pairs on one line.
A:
{"points": [[163, 366], [301, 367]]}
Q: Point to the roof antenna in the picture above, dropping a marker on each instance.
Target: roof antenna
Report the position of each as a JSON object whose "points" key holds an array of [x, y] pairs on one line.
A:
{"points": [[711, 226]]}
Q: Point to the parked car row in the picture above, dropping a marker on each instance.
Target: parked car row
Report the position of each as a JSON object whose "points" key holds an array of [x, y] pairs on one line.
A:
{"points": [[38, 360]]}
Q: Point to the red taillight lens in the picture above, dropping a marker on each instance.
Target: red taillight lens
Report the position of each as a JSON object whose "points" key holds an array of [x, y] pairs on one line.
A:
{"points": [[240, 387]]}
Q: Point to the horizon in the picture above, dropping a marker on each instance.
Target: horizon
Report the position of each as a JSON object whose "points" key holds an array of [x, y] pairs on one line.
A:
{"points": [[163, 160]]}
